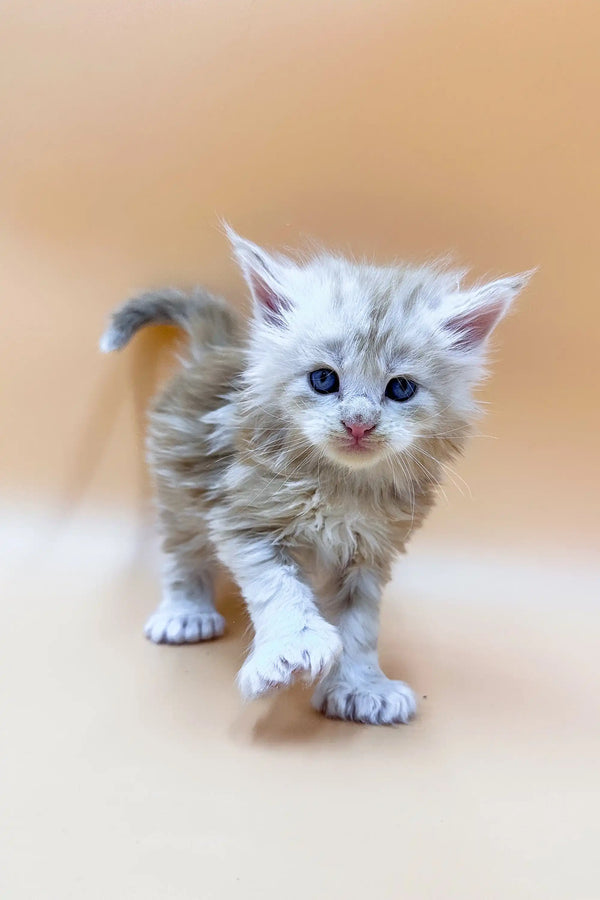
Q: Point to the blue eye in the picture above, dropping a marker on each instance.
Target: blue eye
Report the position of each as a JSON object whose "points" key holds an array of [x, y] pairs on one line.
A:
{"points": [[324, 381], [401, 389]]}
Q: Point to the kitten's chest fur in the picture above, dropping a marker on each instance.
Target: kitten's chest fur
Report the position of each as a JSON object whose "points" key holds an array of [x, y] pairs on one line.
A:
{"points": [[328, 526], [340, 528], [332, 533]]}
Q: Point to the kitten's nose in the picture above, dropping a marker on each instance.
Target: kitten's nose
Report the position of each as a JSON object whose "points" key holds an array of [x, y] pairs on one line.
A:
{"points": [[359, 429]]}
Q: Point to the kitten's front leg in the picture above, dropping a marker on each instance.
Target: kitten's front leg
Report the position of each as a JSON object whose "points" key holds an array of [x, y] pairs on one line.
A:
{"points": [[357, 689], [290, 635]]}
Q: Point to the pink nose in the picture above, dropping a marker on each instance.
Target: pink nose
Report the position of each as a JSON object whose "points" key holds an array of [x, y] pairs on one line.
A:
{"points": [[358, 431]]}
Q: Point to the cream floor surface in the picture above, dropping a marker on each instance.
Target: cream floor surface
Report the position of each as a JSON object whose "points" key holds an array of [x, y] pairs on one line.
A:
{"points": [[133, 771]]}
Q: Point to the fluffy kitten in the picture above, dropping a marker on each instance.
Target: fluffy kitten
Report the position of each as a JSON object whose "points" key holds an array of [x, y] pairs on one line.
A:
{"points": [[303, 455]]}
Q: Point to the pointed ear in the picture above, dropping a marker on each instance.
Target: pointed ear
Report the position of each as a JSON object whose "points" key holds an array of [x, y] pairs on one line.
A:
{"points": [[473, 315], [263, 274]]}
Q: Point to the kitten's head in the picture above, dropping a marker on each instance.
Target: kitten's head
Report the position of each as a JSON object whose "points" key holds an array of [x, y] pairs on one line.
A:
{"points": [[362, 363]]}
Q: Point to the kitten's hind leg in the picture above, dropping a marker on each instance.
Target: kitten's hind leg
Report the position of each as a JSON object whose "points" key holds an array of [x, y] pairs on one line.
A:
{"points": [[187, 611]]}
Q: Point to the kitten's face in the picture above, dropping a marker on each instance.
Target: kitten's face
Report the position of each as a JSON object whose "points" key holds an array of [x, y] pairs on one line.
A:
{"points": [[361, 363]]}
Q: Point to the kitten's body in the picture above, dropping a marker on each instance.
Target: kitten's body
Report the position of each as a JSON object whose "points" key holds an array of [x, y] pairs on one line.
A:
{"points": [[255, 471]]}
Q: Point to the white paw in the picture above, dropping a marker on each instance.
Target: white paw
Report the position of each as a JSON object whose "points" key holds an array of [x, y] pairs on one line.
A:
{"points": [[311, 653], [183, 624], [381, 702]]}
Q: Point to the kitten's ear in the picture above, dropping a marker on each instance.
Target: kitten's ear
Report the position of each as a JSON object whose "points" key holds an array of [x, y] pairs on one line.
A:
{"points": [[264, 276], [473, 315]]}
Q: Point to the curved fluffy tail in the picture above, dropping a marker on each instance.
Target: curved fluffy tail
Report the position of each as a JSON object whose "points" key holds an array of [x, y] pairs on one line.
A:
{"points": [[207, 319]]}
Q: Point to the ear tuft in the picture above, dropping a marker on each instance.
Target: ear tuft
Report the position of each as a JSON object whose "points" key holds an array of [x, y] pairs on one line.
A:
{"points": [[475, 313], [263, 275]]}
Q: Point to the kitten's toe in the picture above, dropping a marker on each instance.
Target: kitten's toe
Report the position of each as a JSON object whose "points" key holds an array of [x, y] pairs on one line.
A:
{"points": [[383, 702], [184, 626], [310, 654]]}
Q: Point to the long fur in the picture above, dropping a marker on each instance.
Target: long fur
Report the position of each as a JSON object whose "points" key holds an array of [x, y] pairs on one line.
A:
{"points": [[254, 471]]}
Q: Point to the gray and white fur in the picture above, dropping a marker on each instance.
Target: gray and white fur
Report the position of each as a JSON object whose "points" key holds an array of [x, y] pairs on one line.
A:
{"points": [[307, 497]]}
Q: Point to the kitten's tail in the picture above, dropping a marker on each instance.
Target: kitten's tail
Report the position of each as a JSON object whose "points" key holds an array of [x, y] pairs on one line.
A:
{"points": [[207, 319]]}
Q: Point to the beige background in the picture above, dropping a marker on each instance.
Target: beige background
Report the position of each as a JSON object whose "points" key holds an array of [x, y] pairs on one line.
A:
{"points": [[387, 128]]}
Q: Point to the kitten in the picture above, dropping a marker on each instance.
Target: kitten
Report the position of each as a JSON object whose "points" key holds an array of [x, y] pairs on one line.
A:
{"points": [[303, 455]]}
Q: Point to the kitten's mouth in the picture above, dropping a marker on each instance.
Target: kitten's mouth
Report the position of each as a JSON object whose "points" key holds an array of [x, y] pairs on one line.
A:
{"points": [[353, 454], [357, 447]]}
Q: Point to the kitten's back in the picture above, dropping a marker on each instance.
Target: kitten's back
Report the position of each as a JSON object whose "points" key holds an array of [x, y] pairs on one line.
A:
{"points": [[191, 433]]}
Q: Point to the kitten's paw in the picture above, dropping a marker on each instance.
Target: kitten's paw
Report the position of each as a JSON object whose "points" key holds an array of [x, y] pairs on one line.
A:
{"points": [[186, 624], [311, 654], [382, 702]]}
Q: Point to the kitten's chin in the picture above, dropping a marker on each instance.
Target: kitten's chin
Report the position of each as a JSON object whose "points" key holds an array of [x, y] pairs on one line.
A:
{"points": [[354, 457]]}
